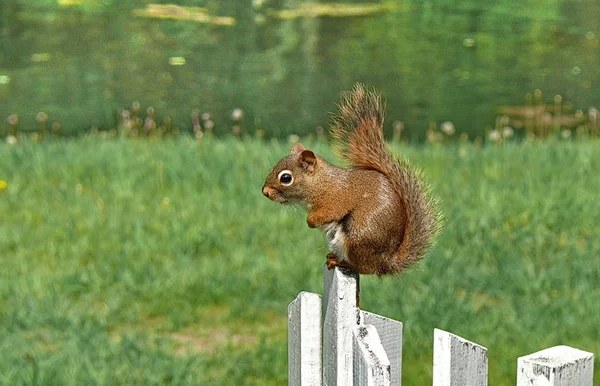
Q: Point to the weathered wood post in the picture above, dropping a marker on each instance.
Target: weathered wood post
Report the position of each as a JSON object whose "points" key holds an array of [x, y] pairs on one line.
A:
{"points": [[332, 342], [371, 363], [390, 335], [304, 340], [340, 315], [458, 362], [556, 366]]}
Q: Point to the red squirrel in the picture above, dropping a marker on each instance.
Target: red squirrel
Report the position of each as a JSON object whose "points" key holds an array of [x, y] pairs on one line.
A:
{"points": [[378, 216]]}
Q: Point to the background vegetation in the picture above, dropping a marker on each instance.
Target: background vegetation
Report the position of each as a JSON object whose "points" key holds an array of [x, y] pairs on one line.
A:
{"points": [[160, 262], [81, 61]]}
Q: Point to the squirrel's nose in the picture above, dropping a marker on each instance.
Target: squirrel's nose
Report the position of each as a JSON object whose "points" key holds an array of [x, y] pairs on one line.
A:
{"points": [[265, 191]]}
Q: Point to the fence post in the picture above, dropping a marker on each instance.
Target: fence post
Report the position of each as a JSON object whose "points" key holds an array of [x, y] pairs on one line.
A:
{"points": [[332, 342], [340, 315], [390, 335], [556, 366], [458, 362], [304, 340], [371, 364]]}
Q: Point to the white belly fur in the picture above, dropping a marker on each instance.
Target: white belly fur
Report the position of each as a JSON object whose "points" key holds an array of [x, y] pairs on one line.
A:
{"points": [[336, 239]]}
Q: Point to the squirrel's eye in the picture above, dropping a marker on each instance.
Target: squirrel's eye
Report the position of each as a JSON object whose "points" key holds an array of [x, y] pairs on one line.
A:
{"points": [[285, 178]]}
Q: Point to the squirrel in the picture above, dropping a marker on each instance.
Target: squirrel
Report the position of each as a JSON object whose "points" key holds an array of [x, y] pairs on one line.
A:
{"points": [[378, 216]]}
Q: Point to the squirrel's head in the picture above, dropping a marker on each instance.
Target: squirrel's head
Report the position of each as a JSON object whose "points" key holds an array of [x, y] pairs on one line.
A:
{"points": [[290, 180]]}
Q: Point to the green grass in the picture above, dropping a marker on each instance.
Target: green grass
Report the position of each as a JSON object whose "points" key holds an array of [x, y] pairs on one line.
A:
{"points": [[160, 262]]}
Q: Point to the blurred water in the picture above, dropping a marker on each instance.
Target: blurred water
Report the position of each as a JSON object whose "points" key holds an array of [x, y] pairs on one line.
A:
{"points": [[81, 61]]}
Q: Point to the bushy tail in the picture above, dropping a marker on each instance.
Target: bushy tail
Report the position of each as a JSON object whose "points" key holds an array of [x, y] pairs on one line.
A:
{"points": [[357, 133]]}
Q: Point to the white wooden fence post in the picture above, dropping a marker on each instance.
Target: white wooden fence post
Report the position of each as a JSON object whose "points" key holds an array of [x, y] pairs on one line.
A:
{"points": [[371, 364], [304, 340], [556, 366], [331, 342], [458, 362], [340, 315], [390, 335]]}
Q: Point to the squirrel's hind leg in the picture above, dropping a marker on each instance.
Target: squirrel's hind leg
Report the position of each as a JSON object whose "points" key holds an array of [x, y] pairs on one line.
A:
{"points": [[332, 261]]}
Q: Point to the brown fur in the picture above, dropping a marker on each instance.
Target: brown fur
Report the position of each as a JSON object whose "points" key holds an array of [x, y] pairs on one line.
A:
{"points": [[377, 215]]}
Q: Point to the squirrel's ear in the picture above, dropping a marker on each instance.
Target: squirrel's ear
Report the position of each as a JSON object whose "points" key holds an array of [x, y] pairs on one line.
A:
{"points": [[308, 160], [297, 149]]}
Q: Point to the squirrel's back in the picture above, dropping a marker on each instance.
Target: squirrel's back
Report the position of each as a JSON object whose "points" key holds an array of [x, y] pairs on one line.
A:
{"points": [[357, 132]]}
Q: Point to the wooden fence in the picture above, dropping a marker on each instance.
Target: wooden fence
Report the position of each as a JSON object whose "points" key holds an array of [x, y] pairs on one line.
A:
{"points": [[333, 342]]}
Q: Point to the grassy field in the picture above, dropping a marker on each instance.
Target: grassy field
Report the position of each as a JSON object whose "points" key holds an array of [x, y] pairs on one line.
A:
{"points": [[160, 262]]}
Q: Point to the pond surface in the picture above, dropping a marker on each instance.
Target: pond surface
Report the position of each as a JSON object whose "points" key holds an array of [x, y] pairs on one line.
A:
{"points": [[284, 62]]}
